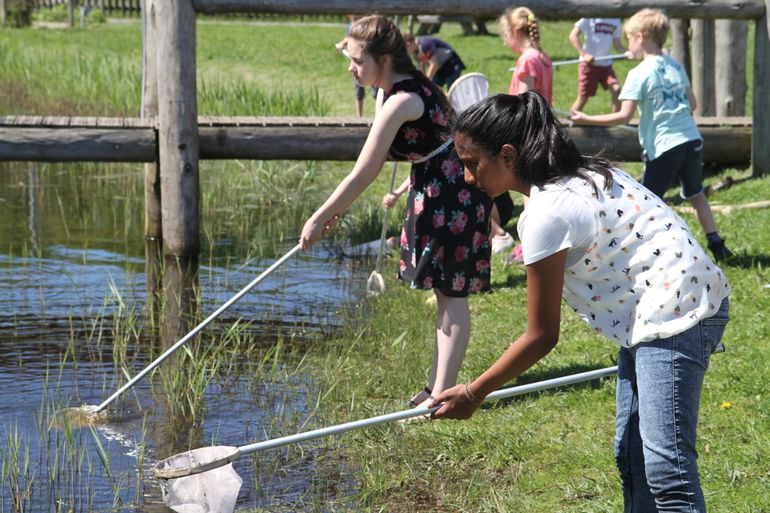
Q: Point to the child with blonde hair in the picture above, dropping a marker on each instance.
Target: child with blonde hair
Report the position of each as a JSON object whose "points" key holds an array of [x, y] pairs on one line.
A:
{"points": [[673, 147], [533, 72]]}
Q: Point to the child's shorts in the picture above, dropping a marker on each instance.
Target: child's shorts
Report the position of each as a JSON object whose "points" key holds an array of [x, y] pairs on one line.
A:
{"points": [[589, 76], [683, 162]]}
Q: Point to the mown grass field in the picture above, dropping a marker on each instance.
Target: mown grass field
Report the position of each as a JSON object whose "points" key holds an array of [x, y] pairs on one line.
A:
{"points": [[548, 452]]}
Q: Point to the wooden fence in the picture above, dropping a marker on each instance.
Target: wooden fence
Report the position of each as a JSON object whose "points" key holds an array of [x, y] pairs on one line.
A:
{"points": [[122, 7]]}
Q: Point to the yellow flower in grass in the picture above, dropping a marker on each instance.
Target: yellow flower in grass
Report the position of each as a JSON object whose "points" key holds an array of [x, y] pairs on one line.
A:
{"points": [[726, 405]]}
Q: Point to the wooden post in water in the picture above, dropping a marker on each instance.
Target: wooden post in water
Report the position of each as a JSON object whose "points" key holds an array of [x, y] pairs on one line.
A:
{"points": [[178, 145], [730, 53], [153, 225], [703, 66], [680, 47], [178, 149], [760, 149]]}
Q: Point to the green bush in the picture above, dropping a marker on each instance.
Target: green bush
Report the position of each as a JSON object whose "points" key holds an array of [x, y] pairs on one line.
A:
{"points": [[57, 13], [96, 16], [19, 15]]}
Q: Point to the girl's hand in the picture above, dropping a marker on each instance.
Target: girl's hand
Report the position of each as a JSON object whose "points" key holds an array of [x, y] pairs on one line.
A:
{"points": [[390, 199], [577, 116], [314, 230], [456, 404]]}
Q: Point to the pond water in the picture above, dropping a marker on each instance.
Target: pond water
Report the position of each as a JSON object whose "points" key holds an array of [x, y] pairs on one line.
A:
{"points": [[74, 324]]}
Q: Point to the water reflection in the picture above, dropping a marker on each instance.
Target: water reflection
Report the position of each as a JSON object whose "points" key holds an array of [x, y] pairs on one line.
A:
{"points": [[74, 323]]}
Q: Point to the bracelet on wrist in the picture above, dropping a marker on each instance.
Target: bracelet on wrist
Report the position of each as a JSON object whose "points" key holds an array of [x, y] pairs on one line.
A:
{"points": [[471, 396]]}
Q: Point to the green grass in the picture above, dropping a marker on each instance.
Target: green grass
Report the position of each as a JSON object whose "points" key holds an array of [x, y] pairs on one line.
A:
{"points": [[547, 452]]}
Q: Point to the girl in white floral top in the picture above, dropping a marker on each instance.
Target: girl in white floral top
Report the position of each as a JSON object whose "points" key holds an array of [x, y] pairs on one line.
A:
{"points": [[628, 265]]}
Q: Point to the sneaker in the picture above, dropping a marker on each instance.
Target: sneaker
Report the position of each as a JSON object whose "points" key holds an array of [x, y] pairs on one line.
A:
{"points": [[501, 242], [719, 250]]}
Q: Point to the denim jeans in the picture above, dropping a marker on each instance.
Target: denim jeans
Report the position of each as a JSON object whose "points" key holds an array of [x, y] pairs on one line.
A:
{"points": [[658, 396]]}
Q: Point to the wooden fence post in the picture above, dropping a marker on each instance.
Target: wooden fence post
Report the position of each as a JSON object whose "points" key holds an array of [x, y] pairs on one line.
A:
{"points": [[152, 211], [153, 225], [760, 149], [703, 66], [178, 144], [680, 48], [730, 53]]}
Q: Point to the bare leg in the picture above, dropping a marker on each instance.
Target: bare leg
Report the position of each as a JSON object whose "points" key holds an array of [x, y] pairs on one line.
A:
{"points": [[494, 218], [453, 330], [614, 94], [703, 211]]}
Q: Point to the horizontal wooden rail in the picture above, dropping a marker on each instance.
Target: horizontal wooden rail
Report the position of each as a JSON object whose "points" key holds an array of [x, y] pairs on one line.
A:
{"points": [[545, 9], [727, 140]]}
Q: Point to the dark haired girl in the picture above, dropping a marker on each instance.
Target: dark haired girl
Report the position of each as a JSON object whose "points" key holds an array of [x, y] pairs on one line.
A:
{"points": [[628, 265]]}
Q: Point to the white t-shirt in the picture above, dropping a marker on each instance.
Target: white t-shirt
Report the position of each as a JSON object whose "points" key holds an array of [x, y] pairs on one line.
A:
{"points": [[634, 271], [598, 36]]}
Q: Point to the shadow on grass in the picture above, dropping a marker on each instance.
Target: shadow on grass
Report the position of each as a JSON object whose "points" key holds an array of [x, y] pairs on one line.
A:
{"points": [[532, 377], [746, 261]]}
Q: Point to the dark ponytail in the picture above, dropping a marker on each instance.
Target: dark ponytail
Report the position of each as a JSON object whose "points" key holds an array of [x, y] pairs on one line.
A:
{"points": [[525, 121]]}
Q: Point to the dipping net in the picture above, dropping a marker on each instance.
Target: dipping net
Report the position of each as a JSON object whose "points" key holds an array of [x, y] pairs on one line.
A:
{"points": [[467, 90], [213, 489]]}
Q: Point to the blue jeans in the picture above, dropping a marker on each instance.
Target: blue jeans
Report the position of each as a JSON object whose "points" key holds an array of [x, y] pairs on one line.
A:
{"points": [[658, 395]]}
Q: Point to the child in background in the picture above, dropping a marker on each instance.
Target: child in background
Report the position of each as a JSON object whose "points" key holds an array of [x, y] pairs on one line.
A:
{"points": [[438, 60], [445, 238], [672, 144], [600, 34], [628, 265], [359, 91], [533, 72]]}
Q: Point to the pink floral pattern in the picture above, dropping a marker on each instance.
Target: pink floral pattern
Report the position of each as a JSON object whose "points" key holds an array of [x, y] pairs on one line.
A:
{"points": [[445, 239]]}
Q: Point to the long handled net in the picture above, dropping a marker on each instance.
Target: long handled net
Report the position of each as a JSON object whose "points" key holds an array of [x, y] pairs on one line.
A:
{"points": [[203, 480], [89, 413]]}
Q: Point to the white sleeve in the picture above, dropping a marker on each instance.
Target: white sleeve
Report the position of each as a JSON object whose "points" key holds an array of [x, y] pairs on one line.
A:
{"points": [[553, 222], [542, 236]]}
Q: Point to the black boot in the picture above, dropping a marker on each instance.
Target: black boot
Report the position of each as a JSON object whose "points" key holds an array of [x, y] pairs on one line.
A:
{"points": [[719, 250]]}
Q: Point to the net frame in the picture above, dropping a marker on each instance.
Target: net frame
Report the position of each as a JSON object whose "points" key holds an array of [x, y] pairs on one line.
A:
{"points": [[467, 90]]}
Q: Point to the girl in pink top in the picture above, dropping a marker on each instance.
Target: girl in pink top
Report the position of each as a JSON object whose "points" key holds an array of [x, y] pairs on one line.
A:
{"points": [[533, 70]]}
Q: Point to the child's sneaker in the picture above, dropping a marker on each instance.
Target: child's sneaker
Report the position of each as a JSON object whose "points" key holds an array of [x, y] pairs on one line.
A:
{"points": [[501, 242], [719, 250]]}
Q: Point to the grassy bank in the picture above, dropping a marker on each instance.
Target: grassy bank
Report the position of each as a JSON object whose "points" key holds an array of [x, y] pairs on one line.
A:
{"points": [[548, 452]]}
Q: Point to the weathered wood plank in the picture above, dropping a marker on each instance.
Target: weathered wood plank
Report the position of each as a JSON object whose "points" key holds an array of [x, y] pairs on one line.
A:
{"points": [[77, 145], [722, 145], [760, 151], [730, 53], [546, 9], [703, 64]]}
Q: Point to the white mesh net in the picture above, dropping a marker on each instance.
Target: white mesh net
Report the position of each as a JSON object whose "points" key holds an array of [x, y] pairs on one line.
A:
{"points": [[467, 90], [213, 491]]}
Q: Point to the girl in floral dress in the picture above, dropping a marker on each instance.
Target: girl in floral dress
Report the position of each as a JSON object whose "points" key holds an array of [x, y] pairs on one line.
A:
{"points": [[445, 239]]}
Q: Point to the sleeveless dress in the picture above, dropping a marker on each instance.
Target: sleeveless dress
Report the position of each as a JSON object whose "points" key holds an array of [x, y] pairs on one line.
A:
{"points": [[445, 239]]}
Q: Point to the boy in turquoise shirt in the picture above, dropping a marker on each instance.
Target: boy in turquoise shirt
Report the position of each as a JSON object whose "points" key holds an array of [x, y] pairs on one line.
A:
{"points": [[672, 144]]}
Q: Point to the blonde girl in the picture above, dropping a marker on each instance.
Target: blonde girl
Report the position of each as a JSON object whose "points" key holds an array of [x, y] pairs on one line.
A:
{"points": [[533, 72]]}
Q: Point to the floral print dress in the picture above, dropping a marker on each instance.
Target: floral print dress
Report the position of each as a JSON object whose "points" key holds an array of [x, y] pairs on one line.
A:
{"points": [[445, 239]]}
